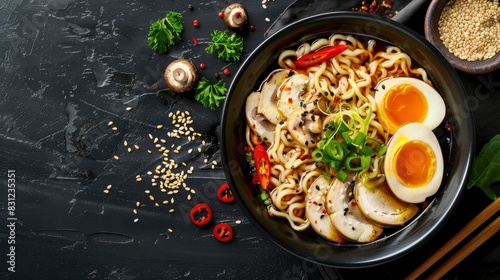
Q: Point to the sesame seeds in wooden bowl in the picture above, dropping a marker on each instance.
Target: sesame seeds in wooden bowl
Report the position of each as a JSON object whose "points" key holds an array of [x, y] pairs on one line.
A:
{"points": [[467, 32]]}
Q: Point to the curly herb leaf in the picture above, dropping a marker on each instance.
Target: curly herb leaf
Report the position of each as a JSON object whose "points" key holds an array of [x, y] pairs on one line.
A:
{"points": [[163, 32], [486, 168], [210, 95], [231, 46]]}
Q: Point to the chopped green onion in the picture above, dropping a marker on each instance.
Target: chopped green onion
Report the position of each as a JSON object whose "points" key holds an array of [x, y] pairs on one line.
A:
{"points": [[356, 163], [317, 155], [359, 140], [346, 137], [335, 164], [366, 151], [341, 175], [382, 150]]}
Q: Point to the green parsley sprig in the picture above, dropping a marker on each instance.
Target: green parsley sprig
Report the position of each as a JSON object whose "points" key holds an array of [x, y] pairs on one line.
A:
{"points": [[163, 32], [210, 95], [229, 47]]}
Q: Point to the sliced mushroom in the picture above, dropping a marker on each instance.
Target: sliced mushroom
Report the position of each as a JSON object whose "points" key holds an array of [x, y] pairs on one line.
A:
{"points": [[235, 16], [316, 212], [181, 75], [258, 123], [267, 102], [290, 92], [303, 126], [346, 216], [381, 206]]}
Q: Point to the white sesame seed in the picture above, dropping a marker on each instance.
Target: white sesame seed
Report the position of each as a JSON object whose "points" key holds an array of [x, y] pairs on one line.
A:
{"points": [[268, 20], [109, 187], [128, 108], [116, 157], [125, 143], [136, 220], [170, 230], [237, 222], [105, 191], [159, 126], [114, 128], [171, 210], [110, 123]]}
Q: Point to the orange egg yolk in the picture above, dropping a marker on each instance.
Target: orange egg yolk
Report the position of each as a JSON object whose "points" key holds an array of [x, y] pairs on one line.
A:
{"points": [[415, 164], [403, 104]]}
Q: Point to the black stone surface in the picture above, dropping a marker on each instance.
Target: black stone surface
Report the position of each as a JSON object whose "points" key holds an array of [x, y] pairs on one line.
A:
{"points": [[68, 68]]}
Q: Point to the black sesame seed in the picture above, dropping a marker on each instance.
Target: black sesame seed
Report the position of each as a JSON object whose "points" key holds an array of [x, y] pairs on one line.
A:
{"points": [[322, 215], [317, 187], [307, 143], [383, 86]]}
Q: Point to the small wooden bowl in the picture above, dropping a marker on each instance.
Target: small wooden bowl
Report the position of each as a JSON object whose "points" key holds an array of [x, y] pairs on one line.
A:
{"points": [[432, 35]]}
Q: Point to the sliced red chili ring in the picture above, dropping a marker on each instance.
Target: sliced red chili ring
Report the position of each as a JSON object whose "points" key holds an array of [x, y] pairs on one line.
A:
{"points": [[200, 214], [223, 232], [262, 165], [319, 56], [225, 194]]}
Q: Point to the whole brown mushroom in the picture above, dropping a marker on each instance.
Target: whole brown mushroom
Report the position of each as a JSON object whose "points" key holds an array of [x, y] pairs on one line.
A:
{"points": [[181, 75], [235, 16]]}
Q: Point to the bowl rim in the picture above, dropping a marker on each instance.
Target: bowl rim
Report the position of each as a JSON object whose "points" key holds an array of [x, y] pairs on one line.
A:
{"points": [[431, 33], [402, 248]]}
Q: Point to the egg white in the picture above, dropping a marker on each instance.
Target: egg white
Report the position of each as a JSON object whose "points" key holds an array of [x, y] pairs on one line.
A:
{"points": [[409, 132]]}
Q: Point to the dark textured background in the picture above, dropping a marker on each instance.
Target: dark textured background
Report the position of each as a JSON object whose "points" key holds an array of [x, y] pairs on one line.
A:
{"points": [[68, 67]]}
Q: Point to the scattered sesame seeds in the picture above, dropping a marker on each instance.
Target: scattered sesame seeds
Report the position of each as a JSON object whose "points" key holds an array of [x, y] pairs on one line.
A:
{"points": [[105, 191], [135, 211]]}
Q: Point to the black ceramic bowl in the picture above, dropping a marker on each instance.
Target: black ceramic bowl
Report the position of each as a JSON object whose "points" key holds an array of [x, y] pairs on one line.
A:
{"points": [[311, 246]]}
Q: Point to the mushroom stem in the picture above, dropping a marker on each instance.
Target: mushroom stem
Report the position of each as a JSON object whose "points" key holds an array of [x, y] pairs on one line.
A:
{"points": [[180, 75], [236, 17]]}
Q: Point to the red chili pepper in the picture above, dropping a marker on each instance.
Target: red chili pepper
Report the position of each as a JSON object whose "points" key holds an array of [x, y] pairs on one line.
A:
{"points": [[227, 72], [202, 65], [262, 165], [221, 14], [195, 41], [252, 28], [200, 214], [196, 23], [319, 56], [223, 232], [225, 194]]}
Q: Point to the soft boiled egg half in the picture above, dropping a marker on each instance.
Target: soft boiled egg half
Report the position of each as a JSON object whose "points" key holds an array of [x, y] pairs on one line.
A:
{"points": [[406, 100], [414, 163]]}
